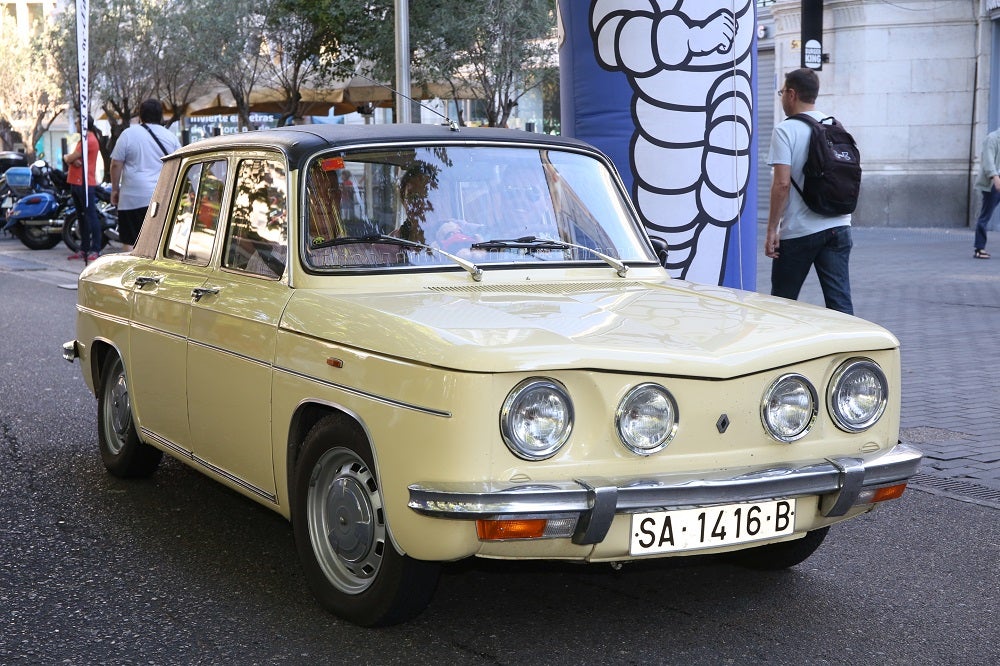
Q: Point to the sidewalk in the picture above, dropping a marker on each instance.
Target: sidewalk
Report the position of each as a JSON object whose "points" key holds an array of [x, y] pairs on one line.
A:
{"points": [[944, 306], [921, 284]]}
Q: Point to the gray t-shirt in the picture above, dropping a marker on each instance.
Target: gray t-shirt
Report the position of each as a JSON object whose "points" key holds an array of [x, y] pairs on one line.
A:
{"points": [[142, 161], [790, 145]]}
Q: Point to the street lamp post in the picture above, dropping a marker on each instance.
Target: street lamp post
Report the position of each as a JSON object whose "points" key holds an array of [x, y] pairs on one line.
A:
{"points": [[403, 61]]}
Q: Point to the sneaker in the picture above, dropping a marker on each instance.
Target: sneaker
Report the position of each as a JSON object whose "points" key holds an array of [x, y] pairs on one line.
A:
{"points": [[92, 256], [77, 255]]}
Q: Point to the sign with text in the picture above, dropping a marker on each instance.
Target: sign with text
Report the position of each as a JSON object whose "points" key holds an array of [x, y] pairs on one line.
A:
{"points": [[812, 34]]}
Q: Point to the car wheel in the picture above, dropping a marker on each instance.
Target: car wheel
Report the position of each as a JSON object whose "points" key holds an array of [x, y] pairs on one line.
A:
{"points": [[123, 453], [782, 555], [340, 531]]}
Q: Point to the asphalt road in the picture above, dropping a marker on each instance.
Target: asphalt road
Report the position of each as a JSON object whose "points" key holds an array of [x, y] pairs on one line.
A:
{"points": [[179, 570]]}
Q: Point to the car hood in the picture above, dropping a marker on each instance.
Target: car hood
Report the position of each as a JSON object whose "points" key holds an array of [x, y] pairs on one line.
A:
{"points": [[651, 327]]}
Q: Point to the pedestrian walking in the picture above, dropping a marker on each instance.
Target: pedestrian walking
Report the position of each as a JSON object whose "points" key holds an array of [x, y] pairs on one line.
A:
{"points": [[83, 188], [989, 184], [799, 238], [135, 165]]}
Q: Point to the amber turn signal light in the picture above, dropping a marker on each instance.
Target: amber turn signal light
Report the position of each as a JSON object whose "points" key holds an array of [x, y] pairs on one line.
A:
{"points": [[500, 530], [890, 493]]}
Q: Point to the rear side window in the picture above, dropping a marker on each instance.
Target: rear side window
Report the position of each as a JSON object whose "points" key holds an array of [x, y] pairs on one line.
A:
{"points": [[195, 218], [257, 239]]}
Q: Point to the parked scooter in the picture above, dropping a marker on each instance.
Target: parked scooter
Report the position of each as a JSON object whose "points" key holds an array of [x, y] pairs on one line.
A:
{"points": [[36, 218], [108, 214]]}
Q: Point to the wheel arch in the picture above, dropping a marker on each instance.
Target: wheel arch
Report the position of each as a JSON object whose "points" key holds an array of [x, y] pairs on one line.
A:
{"points": [[307, 415], [100, 349]]}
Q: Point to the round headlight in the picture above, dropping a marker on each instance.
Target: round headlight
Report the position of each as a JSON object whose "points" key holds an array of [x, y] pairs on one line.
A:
{"points": [[536, 418], [789, 408], [646, 419], [858, 395]]}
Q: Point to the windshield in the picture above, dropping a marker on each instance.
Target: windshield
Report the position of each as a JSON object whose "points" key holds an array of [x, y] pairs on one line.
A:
{"points": [[455, 199]]}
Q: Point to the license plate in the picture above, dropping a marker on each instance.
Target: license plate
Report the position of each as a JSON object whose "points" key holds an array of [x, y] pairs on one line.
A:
{"points": [[710, 527]]}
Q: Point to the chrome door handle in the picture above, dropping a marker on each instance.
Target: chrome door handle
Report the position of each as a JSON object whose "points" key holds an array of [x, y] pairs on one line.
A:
{"points": [[143, 280], [198, 292]]}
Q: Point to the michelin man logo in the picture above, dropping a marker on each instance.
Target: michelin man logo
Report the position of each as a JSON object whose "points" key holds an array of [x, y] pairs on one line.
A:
{"points": [[689, 65]]}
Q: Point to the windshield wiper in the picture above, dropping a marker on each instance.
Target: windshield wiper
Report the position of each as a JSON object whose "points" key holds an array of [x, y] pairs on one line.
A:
{"points": [[535, 243], [475, 271]]}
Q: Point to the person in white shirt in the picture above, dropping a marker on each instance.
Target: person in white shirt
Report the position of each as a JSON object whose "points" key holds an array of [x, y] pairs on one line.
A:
{"points": [[135, 165], [798, 238]]}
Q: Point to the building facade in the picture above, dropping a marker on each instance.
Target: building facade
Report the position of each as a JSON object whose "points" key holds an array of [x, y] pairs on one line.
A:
{"points": [[912, 80], [29, 15]]}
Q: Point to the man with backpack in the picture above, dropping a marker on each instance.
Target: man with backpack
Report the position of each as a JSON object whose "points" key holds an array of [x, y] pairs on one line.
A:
{"points": [[814, 188]]}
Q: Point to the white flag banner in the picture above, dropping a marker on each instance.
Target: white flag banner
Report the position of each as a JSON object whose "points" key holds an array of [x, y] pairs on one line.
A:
{"points": [[82, 56]]}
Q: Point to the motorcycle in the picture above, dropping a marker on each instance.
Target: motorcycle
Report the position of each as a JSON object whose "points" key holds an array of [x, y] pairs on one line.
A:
{"points": [[8, 159], [107, 213], [43, 199]]}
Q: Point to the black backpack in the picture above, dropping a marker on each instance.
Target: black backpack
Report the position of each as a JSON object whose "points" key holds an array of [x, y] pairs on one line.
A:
{"points": [[833, 168]]}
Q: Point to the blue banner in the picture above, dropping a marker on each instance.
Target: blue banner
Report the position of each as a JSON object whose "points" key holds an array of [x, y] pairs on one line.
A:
{"points": [[667, 89]]}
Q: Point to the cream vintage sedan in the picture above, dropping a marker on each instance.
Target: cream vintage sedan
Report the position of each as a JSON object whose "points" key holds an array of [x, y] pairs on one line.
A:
{"points": [[421, 344]]}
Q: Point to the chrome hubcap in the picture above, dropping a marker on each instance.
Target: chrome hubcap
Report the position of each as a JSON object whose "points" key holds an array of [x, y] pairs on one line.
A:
{"points": [[346, 523], [117, 410]]}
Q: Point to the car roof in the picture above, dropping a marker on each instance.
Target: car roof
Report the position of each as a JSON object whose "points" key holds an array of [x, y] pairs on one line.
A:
{"points": [[302, 141]]}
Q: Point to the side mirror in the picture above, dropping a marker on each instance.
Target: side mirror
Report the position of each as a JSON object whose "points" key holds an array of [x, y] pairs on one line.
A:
{"points": [[661, 248]]}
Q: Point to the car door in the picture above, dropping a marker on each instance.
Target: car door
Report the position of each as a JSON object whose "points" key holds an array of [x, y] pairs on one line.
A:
{"points": [[164, 288], [234, 331]]}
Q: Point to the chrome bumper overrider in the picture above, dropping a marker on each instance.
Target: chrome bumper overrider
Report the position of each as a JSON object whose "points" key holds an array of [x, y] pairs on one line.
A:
{"points": [[595, 501], [70, 351]]}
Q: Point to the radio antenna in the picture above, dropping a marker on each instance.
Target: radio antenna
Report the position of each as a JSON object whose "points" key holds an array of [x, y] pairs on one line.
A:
{"points": [[451, 123]]}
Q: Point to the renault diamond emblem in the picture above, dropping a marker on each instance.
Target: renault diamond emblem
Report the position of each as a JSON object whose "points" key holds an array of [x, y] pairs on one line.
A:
{"points": [[722, 424]]}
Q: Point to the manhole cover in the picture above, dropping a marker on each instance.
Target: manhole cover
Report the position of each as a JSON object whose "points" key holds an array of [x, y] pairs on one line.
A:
{"points": [[957, 489]]}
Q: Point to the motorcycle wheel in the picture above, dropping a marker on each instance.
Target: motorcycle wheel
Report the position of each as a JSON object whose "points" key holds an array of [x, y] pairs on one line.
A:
{"points": [[35, 238], [71, 234]]}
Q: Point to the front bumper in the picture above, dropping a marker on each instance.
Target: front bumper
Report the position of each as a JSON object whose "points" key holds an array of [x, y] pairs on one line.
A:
{"points": [[596, 501]]}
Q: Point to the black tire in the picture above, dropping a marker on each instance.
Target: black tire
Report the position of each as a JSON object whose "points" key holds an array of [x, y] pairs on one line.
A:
{"points": [[34, 238], [350, 563], [123, 453], [784, 555], [71, 233]]}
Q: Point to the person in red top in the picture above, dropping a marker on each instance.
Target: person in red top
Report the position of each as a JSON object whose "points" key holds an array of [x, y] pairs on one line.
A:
{"points": [[85, 194]]}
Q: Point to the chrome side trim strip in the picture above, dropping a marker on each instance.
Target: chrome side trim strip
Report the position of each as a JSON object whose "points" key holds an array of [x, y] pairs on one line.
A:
{"points": [[159, 331], [597, 500], [184, 454], [82, 309], [229, 352], [365, 394]]}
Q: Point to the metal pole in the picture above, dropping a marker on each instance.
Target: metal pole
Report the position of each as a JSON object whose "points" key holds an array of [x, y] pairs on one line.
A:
{"points": [[403, 61]]}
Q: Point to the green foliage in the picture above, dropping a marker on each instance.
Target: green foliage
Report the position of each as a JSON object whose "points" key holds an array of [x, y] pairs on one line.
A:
{"points": [[177, 50]]}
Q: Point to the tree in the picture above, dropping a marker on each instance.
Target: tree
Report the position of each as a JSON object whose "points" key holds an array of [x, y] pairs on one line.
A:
{"points": [[125, 73], [179, 71], [308, 43], [500, 49], [234, 33], [29, 95]]}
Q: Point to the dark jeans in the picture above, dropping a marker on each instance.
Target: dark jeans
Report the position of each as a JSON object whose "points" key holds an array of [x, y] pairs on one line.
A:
{"points": [[88, 219], [130, 223], [830, 252], [990, 201]]}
